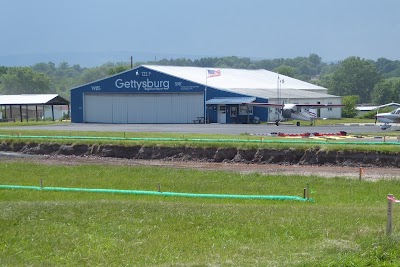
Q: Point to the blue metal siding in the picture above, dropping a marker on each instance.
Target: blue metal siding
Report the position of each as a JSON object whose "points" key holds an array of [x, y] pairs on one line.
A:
{"points": [[213, 112], [76, 106], [142, 80], [212, 116], [260, 112]]}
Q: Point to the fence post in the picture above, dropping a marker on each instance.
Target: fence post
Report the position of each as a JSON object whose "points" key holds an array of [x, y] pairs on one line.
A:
{"points": [[389, 215]]}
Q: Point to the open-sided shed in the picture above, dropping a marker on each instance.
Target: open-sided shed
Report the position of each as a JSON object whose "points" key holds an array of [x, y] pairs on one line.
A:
{"points": [[18, 107]]}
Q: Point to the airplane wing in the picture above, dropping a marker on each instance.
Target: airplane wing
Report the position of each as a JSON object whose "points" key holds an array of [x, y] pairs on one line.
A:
{"points": [[319, 106], [311, 106], [265, 105], [385, 117]]}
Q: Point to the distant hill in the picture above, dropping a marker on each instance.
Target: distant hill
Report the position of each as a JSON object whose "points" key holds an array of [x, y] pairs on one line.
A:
{"points": [[86, 59]]}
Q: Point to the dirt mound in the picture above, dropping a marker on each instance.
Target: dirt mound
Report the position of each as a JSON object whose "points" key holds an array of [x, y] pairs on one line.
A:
{"points": [[225, 155]]}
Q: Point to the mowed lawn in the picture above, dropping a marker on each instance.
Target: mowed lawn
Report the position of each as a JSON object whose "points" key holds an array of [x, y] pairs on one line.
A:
{"points": [[344, 226]]}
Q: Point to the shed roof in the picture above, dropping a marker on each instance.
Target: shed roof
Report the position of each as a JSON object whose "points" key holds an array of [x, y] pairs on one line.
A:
{"points": [[390, 105], [369, 108], [33, 99]]}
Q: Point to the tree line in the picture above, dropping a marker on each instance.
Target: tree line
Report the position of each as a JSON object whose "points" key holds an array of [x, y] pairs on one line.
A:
{"points": [[362, 80]]}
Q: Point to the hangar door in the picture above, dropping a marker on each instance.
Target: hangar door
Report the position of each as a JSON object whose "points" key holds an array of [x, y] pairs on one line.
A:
{"points": [[143, 108]]}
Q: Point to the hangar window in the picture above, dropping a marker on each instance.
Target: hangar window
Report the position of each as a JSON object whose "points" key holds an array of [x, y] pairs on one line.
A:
{"points": [[233, 112], [243, 110]]}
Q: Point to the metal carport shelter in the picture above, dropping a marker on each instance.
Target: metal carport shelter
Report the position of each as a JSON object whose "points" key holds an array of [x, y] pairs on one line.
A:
{"points": [[25, 100]]}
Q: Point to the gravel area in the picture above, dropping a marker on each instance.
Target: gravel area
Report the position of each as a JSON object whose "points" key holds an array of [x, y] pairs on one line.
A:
{"points": [[367, 173]]}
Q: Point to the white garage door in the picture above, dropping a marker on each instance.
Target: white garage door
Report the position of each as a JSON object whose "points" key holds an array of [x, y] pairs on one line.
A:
{"points": [[143, 108]]}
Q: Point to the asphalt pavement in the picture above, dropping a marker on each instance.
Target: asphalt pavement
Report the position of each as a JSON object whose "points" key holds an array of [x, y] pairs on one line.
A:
{"points": [[234, 129]]}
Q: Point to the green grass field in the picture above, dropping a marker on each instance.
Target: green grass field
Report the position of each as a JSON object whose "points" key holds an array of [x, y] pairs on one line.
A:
{"points": [[345, 226]]}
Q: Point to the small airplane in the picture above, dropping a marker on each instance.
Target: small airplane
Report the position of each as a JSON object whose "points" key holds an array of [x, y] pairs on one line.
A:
{"points": [[387, 118], [303, 112]]}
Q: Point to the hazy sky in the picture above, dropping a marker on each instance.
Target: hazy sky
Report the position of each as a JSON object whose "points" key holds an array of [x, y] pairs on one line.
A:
{"points": [[333, 29]]}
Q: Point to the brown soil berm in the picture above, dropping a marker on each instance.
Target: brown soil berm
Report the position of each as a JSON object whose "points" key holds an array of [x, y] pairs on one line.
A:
{"points": [[225, 155]]}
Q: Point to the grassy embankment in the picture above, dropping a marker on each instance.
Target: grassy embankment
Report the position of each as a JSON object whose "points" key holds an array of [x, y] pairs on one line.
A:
{"points": [[243, 141], [345, 226]]}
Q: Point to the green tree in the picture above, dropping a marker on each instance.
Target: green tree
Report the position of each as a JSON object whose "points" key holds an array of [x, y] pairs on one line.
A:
{"points": [[286, 70], [384, 65], [117, 69], [315, 59], [24, 81], [386, 91], [354, 76], [93, 74], [388, 68], [205, 62], [349, 109], [396, 91], [47, 68], [3, 70]]}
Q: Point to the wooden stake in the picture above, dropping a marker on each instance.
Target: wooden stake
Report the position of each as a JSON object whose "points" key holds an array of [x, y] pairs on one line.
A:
{"points": [[389, 216], [41, 184], [159, 187], [360, 173]]}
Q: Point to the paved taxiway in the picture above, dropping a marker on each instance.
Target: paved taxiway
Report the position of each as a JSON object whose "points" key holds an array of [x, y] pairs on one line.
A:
{"points": [[256, 129]]}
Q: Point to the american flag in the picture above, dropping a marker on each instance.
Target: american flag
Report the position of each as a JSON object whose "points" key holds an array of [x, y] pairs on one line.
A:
{"points": [[213, 73]]}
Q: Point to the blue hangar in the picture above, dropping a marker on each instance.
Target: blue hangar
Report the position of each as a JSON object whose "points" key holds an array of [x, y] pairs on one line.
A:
{"points": [[169, 94]]}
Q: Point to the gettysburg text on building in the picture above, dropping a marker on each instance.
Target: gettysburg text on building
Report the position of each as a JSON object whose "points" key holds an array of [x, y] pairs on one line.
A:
{"points": [[146, 85]]}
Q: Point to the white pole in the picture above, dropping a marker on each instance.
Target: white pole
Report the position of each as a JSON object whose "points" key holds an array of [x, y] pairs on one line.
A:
{"points": [[278, 92], [277, 89]]}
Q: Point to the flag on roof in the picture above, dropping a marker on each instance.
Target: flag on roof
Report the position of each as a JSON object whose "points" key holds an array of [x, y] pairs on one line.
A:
{"points": [[213, 73]]}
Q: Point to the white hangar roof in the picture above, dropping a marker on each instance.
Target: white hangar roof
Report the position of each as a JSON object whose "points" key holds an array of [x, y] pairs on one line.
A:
{"points": [[258, 83], [33, 99]]}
